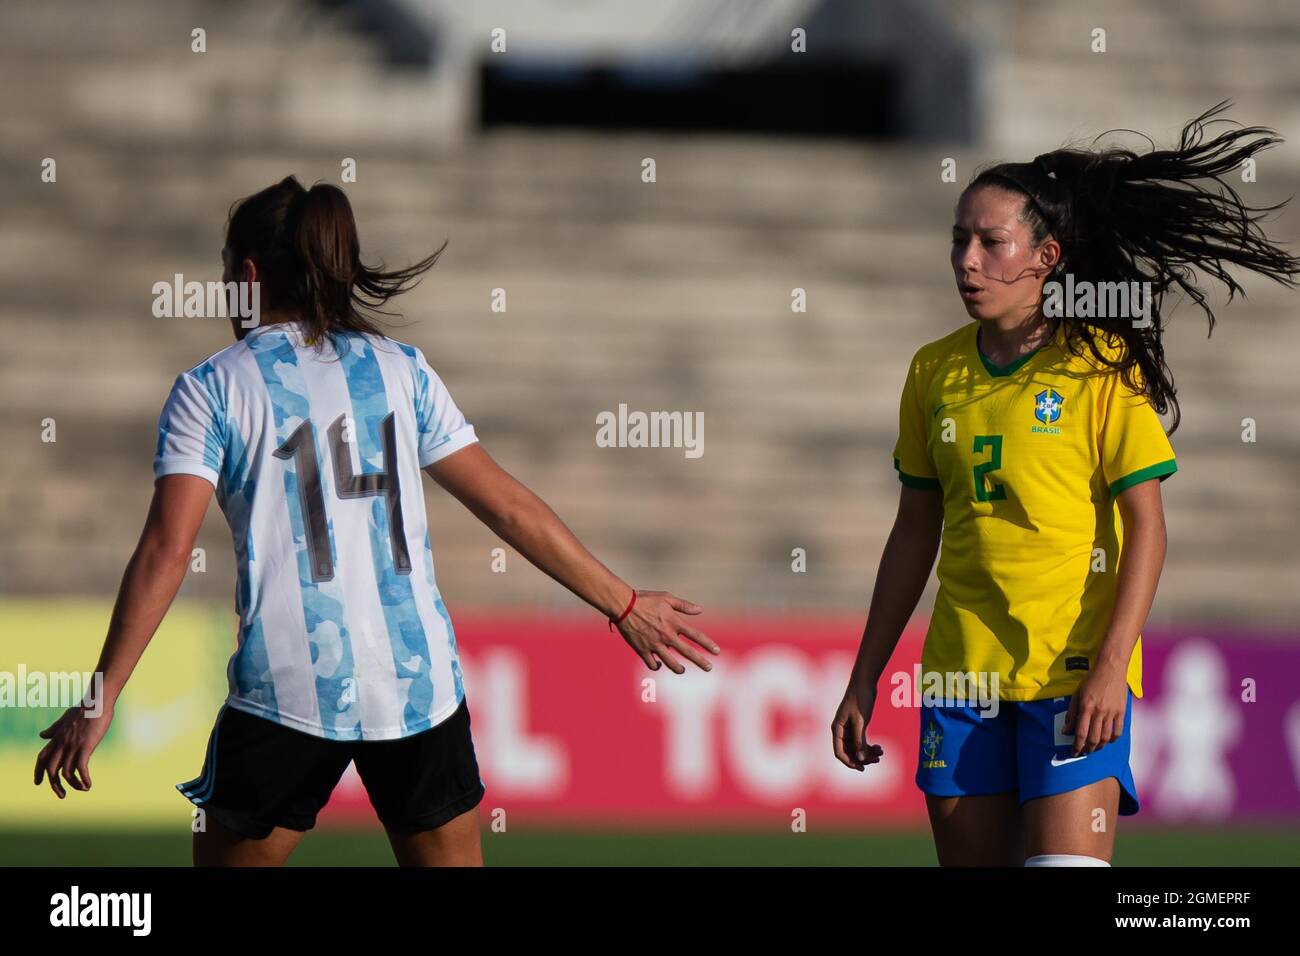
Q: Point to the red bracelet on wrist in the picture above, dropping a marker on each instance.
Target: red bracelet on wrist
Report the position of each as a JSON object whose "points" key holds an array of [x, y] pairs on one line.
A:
{"points": [[626, 612]]}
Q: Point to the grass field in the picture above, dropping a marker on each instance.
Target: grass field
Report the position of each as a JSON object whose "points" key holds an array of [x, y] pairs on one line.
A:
{"points": [[1238, 847]]}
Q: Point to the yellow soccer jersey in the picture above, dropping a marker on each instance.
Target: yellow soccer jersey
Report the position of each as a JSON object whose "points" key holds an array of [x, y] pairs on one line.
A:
{"points": [[1029, 458]]}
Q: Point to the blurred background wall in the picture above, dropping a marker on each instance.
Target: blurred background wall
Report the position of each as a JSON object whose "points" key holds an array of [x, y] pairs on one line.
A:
{"points": [[667, 295], [775, 171]]}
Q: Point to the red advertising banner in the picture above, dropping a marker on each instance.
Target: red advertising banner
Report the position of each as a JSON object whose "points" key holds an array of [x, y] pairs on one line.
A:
{"points": [[570, 727]]}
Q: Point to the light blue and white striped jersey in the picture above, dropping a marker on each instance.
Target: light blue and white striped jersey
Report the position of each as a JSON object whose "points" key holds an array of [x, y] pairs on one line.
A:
{"points": [[316, 460]]}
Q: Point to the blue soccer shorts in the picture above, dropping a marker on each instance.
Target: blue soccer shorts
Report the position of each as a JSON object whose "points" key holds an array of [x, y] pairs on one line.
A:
{"points": [[1022, 749]]}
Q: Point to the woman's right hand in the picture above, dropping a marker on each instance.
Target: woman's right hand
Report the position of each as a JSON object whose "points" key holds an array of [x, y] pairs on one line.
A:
{"points": [[849, 730], [72, 739]]}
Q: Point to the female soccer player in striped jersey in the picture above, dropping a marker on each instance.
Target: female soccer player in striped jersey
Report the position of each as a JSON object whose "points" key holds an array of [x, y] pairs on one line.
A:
{"points": [[1019, 434], [313, 429]]}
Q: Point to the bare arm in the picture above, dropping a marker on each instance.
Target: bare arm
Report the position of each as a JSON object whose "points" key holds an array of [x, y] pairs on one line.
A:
{"points": [[1145, 543], [1099, 702], [153, 576], [905, 566], [526, 523]]}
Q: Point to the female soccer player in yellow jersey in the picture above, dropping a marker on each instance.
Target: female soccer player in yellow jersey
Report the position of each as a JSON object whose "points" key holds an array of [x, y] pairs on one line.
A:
{"points": [[1018, 435]]}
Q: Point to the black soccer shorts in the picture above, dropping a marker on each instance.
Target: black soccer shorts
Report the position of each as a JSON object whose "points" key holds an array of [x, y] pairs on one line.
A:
{"points": [[259, 775]]}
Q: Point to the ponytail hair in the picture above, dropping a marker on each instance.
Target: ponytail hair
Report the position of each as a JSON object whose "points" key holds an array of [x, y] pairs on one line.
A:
{"points": [[1159, 218], [308, 255]]}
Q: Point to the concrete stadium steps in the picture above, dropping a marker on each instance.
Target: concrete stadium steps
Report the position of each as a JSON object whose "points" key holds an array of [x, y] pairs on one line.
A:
{"points": [[1165, 64], [85, 31], [272, 70], [666, 296]]}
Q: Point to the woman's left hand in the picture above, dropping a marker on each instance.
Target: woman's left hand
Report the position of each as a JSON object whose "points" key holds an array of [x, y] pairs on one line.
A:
{"points": [[1096, 713]]}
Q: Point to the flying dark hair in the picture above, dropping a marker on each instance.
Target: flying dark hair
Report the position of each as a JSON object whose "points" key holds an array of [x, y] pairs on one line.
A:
{"points": [[1160, 218], [305, 245]]}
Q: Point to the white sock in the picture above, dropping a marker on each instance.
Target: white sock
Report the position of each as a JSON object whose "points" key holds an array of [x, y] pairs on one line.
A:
{"points": [[1064, 859]]}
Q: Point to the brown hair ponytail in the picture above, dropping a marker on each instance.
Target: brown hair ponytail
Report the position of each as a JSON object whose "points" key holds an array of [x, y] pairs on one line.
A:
{"points": [[305, 245]]}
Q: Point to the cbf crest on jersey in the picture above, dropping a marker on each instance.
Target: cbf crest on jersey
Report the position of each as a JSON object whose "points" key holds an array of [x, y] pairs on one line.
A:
{"points": [[1047, 406]]}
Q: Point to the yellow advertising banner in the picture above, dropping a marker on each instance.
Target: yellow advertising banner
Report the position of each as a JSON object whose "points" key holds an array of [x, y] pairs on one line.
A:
{"points": [[160, 726]]}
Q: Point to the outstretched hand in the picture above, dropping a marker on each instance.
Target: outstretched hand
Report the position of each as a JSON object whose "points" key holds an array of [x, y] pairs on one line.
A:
{"points": [[655, 629]]}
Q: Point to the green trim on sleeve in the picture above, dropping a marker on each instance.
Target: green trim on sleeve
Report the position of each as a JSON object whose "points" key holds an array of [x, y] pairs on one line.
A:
{"points": [[1162, 470], [912, 481]]}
